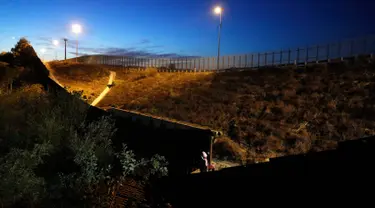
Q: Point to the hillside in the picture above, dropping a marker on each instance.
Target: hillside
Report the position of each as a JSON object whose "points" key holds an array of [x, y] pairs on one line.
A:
{"points": [[274, 112], [91, 79]]}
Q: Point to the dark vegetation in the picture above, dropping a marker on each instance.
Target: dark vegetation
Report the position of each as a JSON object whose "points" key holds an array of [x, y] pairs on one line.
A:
{"points": [[51, 154]]}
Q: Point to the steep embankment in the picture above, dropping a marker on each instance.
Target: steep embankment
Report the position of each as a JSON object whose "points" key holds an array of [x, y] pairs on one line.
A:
{"points": [[273, 111], [90, 79]]}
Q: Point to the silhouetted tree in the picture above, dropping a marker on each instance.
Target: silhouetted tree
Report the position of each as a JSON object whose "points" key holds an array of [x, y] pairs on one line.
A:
{"points": [[25, 56], [24, 53]]}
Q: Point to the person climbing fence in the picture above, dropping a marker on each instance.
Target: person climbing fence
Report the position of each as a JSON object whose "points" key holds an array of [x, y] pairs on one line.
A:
{"points": [[205, 165]]}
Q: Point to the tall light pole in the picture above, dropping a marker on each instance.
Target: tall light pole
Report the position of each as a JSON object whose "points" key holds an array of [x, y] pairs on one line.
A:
{"points": [[76, 28], [56, 44], [218, 10], [65, 47]]}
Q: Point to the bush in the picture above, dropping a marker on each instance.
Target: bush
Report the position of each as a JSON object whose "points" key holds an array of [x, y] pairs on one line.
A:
{"points": [[51, 155]]}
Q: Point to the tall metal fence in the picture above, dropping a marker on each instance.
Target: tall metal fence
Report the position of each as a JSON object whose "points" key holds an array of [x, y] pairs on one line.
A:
{"points": [[302, 55]]}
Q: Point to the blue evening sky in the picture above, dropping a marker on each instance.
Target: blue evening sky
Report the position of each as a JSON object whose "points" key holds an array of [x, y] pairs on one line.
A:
{"points": [[186, 27]]}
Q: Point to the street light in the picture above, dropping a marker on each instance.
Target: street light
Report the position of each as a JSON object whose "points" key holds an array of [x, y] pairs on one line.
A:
{"points": [[218, 10], [76, 28], [56, 43]]}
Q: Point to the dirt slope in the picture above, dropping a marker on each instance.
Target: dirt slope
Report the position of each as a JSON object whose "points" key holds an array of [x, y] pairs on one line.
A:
{"points": [[91, 79], [274, 112]]}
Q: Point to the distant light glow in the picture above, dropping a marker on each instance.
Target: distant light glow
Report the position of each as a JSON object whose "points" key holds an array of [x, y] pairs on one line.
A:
{"points": [[218, 10], [13, 38], [55, 42], [43, 50], [76, 28]]}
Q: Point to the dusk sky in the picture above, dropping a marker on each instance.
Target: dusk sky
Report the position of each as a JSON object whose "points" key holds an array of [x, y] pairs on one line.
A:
{"points": [[184, 27]]}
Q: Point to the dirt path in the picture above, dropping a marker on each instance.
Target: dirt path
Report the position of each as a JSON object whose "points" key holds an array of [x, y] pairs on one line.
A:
{"points": [[106, 90]]}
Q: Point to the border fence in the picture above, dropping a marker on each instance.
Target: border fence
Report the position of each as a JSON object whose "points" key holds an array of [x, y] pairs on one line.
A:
{"points": [[299, 56]]}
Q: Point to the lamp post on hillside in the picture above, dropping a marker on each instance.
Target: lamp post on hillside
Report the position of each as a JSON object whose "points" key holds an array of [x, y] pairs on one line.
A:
{"points": [[218, 10], [65, 47], [56, 44], [76, 28]]}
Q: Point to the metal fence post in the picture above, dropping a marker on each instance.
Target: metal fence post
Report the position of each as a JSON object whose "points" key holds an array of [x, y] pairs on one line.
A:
{"points": [[281, 57], [297, 59], [208, 62], [265, 59], [258, 60], [240, 62], [245, 60], [252, 60], [273, 58], [289, 56], [234, 62], [228, 61]]}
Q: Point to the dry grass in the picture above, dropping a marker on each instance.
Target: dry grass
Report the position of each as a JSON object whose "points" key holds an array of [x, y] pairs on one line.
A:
{"points": [[91, 79], [276, 111], [225, 148]]}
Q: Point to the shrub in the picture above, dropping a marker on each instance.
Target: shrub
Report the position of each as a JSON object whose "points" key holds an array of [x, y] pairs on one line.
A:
{"points": [[53, 156]]}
